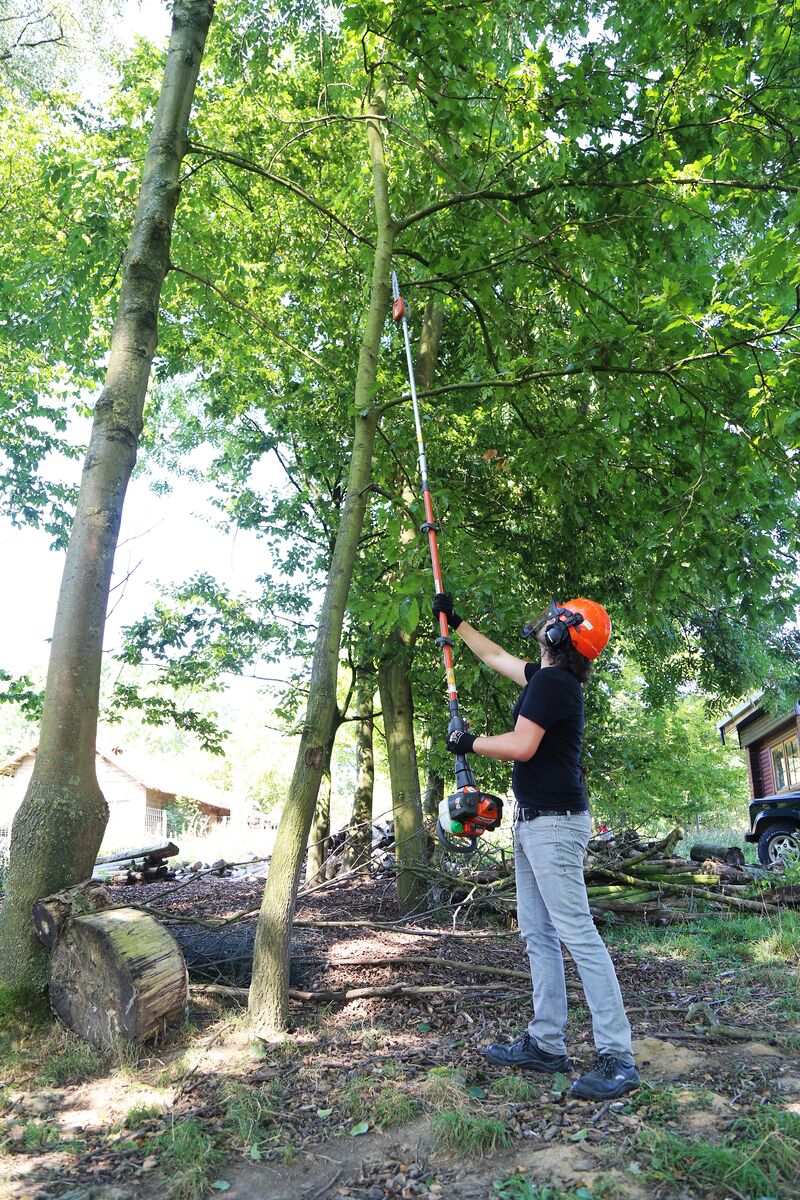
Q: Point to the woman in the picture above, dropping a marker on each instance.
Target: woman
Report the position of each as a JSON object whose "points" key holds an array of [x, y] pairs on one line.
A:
{"points": [[551, 832]]}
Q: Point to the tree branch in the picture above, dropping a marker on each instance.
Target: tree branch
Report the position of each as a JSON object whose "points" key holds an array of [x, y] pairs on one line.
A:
{"points": [[237, 161]]}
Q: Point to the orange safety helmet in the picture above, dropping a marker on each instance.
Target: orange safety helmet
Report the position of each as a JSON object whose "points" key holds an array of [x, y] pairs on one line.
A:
{"points": [[590, 632], [585, 622]]}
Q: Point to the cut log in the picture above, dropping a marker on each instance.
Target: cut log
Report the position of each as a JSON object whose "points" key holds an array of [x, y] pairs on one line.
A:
{"points": [[153, 853], [733, 856], [118, 975], [52, 912]]}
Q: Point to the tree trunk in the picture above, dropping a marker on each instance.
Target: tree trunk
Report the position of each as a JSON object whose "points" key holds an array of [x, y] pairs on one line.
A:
{"points": [[434, 795], [359, 841], [320, 836], [118, 975], [51, 913], [59, 826], [398, 721], [269, 1000]]}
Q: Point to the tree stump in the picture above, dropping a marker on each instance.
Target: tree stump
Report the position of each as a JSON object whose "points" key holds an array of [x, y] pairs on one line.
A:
{"points": [[51, 914], [118, 975]]}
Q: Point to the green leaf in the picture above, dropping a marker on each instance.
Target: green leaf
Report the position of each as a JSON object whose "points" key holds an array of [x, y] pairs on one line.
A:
{"points": [[357, 1130], [580, 1135], [559, 1084], [478, 1093], [322, 1113], [220, 1185], [424, 1027], [255, 1154]]}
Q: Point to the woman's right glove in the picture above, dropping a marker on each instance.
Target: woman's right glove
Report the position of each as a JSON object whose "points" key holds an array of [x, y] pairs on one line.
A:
{"points": [[442, 603]]}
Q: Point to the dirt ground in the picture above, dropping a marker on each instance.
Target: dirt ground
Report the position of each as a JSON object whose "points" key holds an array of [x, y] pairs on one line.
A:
{"points": [[391, 1096]]}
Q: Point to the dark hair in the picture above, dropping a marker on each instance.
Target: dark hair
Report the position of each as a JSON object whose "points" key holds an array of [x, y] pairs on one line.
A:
{"points": [[569, 659]]}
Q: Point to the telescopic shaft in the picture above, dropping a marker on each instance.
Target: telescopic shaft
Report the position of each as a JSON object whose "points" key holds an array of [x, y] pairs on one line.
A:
{"points": [[464, 774], [430, 526]]}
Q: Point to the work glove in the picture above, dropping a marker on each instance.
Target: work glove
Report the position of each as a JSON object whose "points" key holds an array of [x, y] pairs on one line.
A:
{"points": [[442, 603], [460, 741]]}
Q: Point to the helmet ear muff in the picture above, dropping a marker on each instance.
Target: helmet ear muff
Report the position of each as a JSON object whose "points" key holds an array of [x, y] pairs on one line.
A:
{"points": [[557, 634]]}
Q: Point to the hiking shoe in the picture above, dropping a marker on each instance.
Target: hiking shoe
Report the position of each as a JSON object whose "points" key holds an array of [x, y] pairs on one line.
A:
{"points": [[526, 1052], [608, 1078]]}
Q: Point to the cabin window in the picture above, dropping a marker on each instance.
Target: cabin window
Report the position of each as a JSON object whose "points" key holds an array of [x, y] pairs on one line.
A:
{"points": [[786, 764]]}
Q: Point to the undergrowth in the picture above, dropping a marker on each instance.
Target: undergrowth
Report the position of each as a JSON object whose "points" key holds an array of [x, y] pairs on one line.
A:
{"points": [[758, 1157], [188, 1157], [470, 1135]]}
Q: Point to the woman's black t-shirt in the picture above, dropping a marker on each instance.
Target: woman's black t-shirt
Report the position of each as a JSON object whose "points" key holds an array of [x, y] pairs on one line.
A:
{"points": [[553, 778]]}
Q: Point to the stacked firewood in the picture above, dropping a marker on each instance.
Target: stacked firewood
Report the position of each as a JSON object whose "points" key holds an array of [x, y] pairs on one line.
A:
{"points": [[629, 875], [145, 864]]}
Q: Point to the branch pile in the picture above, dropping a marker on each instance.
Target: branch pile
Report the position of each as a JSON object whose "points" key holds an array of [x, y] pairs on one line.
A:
{"points": [[627, 875]]}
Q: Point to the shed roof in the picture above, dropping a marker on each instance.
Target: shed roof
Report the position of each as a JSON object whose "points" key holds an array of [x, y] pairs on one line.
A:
{"points": [[170, 779]]}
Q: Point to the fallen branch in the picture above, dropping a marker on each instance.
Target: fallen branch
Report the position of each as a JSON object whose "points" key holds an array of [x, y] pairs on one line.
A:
{"points": [[344, 995]]}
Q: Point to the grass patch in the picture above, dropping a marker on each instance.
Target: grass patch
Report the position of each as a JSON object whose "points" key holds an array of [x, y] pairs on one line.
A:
{"points": [[140, 1113], [771, 940], [75, 1063], [188, 1158], [40, 1136], [380, 1101], [445, 1087], [759, 1156], [655, 1102], [522, 1187], [470, 1135], [515, 1088], [250, 1113]]}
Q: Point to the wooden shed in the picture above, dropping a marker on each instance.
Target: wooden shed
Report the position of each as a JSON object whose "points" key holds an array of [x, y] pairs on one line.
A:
{"points": [[137, 794], [770, 745]]}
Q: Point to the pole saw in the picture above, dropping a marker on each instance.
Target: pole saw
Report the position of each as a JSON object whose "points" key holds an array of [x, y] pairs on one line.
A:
{"points": [[468, 813]]}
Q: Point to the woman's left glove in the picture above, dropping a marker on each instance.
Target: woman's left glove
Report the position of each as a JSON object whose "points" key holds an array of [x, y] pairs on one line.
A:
{"points": [[460, 741]]}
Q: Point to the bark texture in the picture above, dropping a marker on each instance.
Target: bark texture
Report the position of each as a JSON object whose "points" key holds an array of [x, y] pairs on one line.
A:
{"points": [[359, 841], [118, 975], [59, 826], [394, 681], [269, 998], [320, 836]]}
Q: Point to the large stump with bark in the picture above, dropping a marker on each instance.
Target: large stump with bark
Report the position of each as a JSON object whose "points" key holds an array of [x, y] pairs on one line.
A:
{"points": [[115, 973]]}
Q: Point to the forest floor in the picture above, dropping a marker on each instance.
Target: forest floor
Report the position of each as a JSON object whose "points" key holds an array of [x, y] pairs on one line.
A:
{"points": [[391, 1097]]}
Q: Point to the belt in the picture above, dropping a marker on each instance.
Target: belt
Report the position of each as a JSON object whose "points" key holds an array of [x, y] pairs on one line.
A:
{"points": [[530, 814]]}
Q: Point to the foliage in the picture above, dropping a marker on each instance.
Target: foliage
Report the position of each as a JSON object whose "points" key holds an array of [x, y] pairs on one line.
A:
{"points": [[184, 815], [43, 45], [651, 762]]}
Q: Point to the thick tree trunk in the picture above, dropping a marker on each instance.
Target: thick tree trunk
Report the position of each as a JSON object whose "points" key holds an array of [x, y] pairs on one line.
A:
{"points": [[269, 1000], [398, 721], [118, 975], [359, 841], [59, 826]]}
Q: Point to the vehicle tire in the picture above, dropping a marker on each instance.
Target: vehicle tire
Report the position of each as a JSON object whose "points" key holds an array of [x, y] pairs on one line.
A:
{"points": [[776, 840]]}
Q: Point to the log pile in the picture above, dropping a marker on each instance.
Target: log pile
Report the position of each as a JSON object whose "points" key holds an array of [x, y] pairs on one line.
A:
{"points": [[626, 875], [144, 864], [629, 876]]}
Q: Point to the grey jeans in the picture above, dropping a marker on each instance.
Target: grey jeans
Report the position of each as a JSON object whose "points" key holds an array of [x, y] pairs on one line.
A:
{"points": [[552, 907]]}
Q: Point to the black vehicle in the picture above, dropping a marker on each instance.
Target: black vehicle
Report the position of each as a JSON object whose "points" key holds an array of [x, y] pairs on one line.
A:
{"points": [[775, 826]]}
